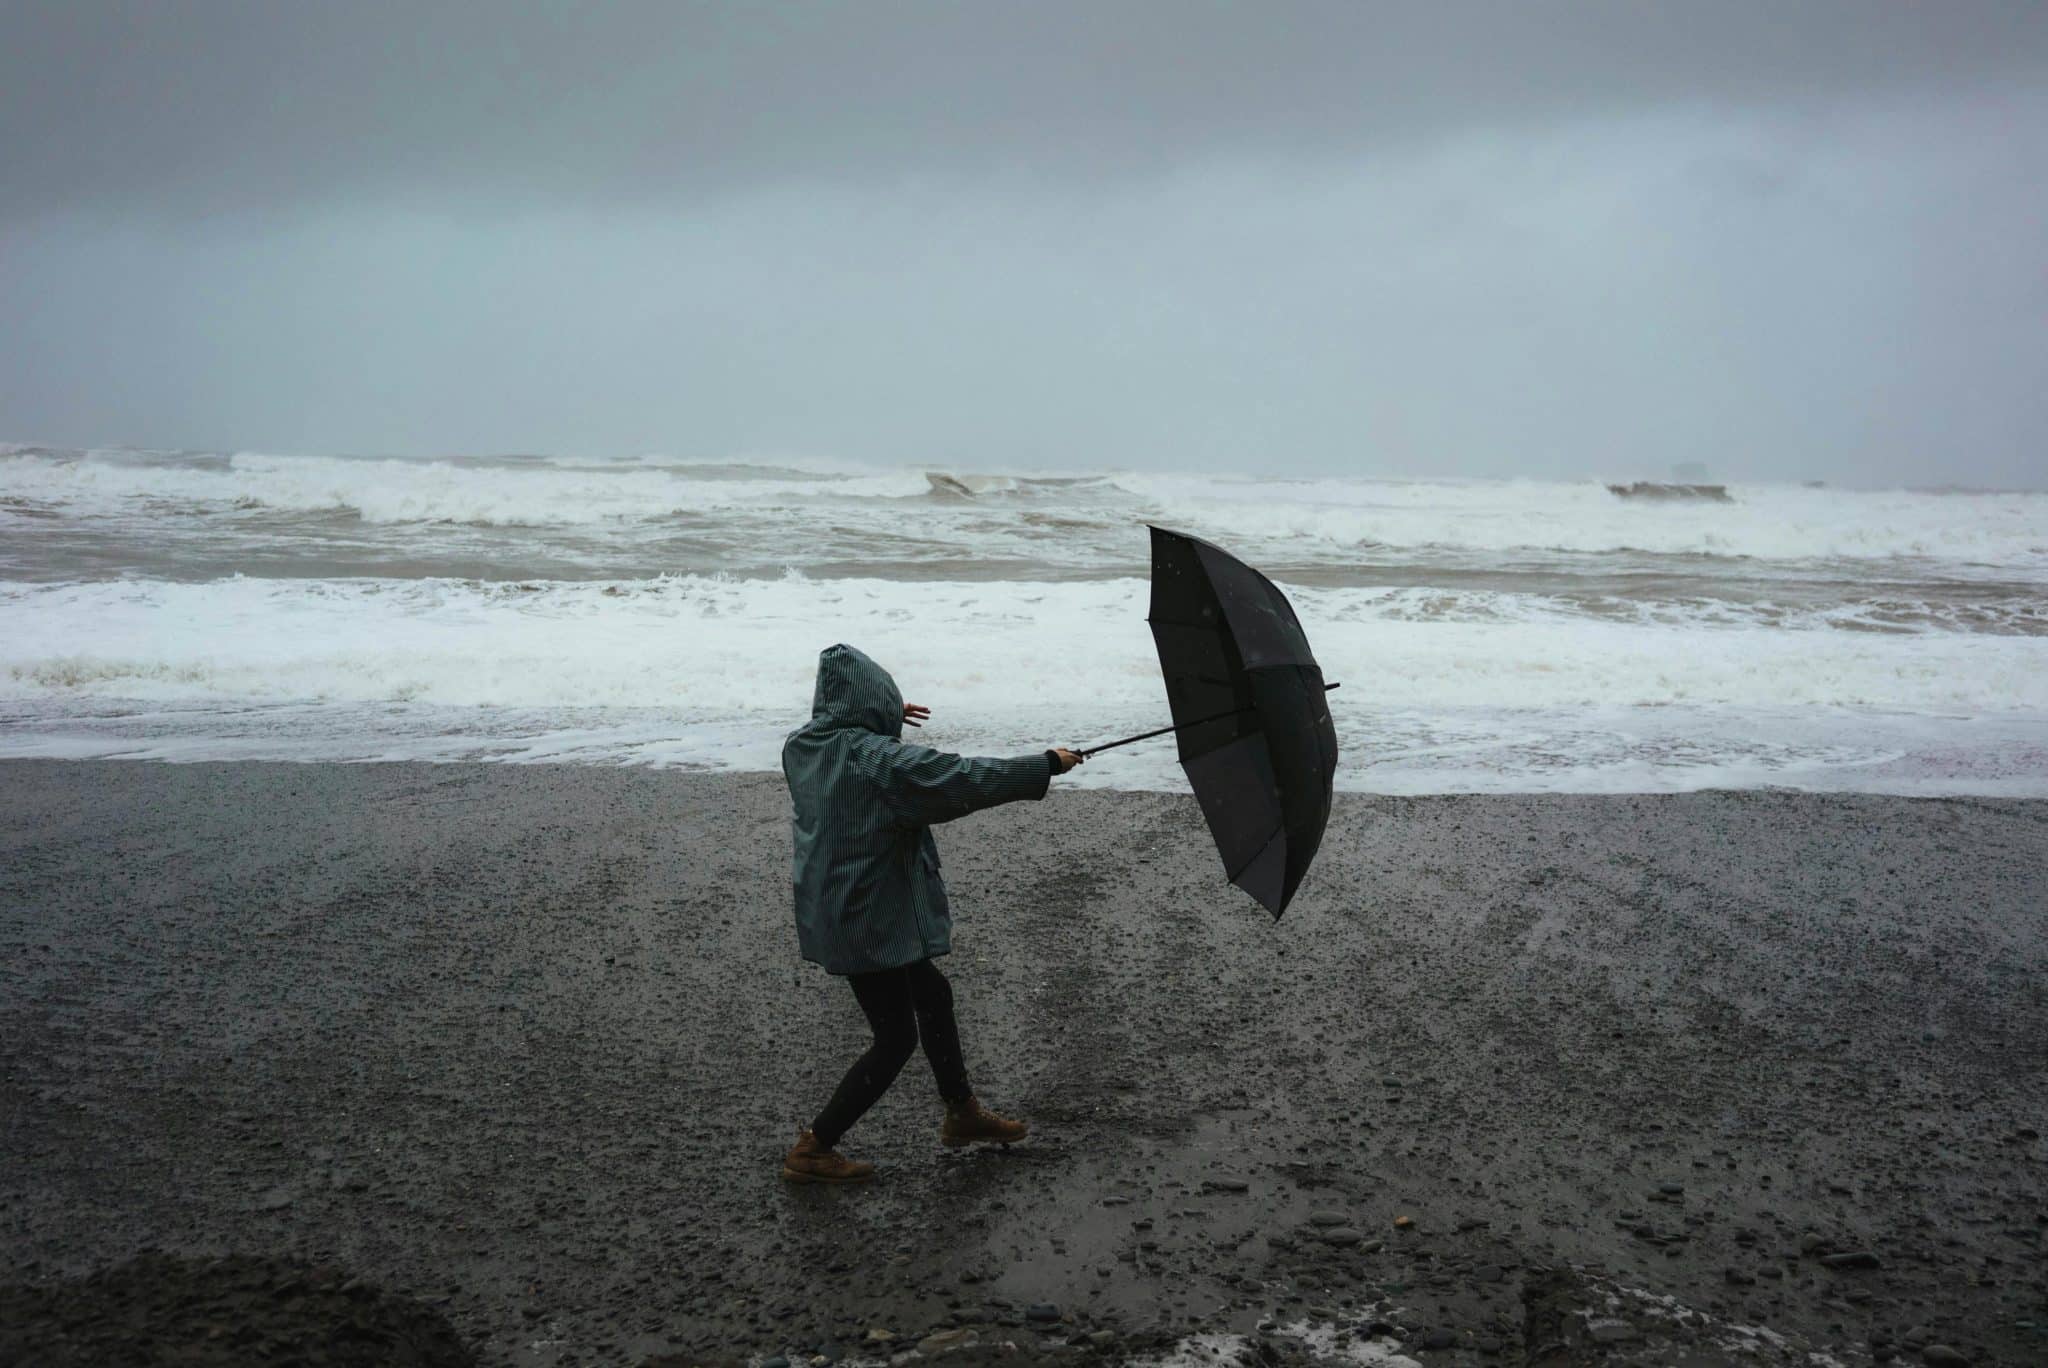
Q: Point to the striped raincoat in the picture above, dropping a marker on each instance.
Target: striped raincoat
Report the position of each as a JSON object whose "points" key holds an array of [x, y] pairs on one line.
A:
{"points": [[868, 891]]}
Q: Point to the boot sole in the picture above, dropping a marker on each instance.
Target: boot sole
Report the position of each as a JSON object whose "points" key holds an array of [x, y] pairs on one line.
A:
{"points": [[798, 1176]]}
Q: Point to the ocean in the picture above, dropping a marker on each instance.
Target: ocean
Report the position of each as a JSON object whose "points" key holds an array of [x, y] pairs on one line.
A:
{"points": [[1490, 636]]}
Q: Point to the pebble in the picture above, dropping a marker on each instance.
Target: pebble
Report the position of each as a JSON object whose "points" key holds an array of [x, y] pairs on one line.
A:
{"points": [[1326, 1218], [1439, 1339], [1043, 1313], [1341, 1235], [1857, 1258], [1404, 1223], [1227, 1185], [1941, 1356], [777, 1361], [932, 1345]]}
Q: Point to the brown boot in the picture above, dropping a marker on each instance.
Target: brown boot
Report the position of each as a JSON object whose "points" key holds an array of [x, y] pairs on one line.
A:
{"points": [[969, 1122], [810, 1162]]}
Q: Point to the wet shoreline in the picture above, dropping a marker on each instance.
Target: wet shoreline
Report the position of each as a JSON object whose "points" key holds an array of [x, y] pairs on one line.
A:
{"points": [[525, 1043]]}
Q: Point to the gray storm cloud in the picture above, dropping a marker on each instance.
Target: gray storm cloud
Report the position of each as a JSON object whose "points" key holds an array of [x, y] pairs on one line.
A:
{"points": [[1786, 241]]}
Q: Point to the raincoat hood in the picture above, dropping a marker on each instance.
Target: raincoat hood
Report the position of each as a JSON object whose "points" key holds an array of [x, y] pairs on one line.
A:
{"points": [[853, 691]]}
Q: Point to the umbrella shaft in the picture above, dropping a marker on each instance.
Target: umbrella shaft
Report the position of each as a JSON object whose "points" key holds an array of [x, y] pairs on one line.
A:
{"points": [[1179, 726]]}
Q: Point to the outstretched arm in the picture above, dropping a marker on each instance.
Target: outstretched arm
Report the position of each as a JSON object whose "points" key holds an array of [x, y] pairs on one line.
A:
{"points": [[925, 786]]}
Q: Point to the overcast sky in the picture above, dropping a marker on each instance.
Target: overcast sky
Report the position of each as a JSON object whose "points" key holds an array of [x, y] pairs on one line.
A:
{"points": [[1785, 240]]}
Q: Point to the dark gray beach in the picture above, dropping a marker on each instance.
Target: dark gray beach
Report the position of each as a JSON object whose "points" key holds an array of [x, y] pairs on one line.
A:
{"points": [[527, 1043]]}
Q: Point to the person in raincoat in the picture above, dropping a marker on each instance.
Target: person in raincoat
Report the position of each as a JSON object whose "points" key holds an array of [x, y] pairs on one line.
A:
{"points": [[870, 905]]}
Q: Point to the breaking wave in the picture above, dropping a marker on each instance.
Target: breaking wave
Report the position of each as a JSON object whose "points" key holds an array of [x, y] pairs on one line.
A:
{"points": [[748, 647], [1071, 519], [1491, 635]]}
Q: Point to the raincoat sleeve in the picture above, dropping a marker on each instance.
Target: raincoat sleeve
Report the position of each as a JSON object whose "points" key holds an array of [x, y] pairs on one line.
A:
{"points": [[924, 786]]}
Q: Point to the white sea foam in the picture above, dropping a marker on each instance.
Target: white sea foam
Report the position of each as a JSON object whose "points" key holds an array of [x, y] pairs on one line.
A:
{"points": [[396, 491], [1491, 635], [706, 670], [740, 646], [1331, 520], [1772, 522], [1322, 1343]]}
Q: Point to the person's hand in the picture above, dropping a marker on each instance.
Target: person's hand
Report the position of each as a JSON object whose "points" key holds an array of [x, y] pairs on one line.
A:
{"points": [[914, 714], [1067, 759]]}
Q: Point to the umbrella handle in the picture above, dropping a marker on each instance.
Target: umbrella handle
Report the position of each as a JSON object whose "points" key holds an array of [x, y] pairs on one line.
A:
{"points": [[1180, 726]]}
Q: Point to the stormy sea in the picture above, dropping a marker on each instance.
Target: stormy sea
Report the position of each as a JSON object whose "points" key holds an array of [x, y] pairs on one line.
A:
{"points": [[1490, 636]]}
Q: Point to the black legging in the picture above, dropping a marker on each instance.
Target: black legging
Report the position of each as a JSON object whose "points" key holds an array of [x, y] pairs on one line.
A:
{"points": [[901, 1005]]}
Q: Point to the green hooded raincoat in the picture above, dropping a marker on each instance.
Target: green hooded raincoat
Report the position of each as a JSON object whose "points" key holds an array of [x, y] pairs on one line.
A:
{"points": [[868, 892]]}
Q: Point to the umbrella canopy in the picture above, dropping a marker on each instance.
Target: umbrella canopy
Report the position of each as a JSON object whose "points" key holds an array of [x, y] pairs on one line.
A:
{"points": [[1249, 712]]}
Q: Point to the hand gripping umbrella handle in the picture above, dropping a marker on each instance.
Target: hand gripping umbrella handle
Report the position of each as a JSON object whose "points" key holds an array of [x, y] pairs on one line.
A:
{"points": [[1181, 726]]}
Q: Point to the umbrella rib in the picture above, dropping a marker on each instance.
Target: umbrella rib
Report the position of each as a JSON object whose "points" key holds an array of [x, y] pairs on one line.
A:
{"points": [[1276, 834]]}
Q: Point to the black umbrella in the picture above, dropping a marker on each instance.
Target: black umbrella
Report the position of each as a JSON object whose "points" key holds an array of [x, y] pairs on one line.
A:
{"points": [[1248, 710]]}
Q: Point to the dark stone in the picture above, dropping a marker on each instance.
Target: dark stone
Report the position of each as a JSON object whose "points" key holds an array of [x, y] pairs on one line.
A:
{"points": [[1942, 1356], [208, 1313], [1858, 1258], [1041, 1313], [1439, 1339]]}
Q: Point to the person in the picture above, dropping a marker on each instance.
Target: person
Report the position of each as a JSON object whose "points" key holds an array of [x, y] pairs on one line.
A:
{"points": [[870, 905]]}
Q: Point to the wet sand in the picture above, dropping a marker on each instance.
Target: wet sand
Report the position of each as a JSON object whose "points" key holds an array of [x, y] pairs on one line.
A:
{"points": [[527, 1043]]}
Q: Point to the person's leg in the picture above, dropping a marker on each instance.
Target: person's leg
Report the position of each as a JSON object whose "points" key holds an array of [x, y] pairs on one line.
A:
{"points": [[967, 1121], [932, 996], [885, 998]]}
